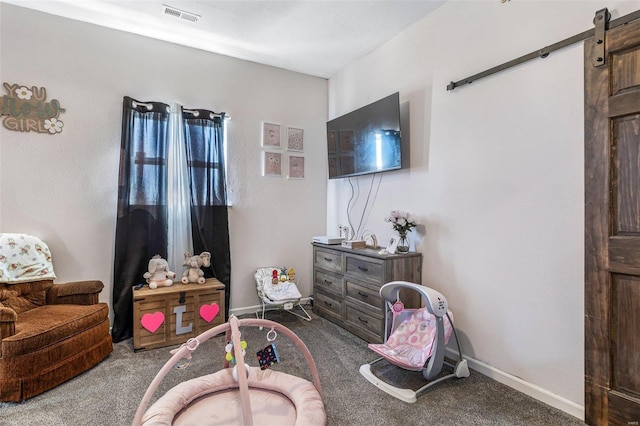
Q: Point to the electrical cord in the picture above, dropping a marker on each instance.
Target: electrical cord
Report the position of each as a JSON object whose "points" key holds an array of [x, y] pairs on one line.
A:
{"points": [[366, 204], [375, 196], [366, 211], [351, 228]]}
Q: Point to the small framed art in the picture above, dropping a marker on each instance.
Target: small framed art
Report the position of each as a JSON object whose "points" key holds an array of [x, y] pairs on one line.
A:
{"points": [[272, 164], [392, 246], [295, 139], [270, 135], [296, 167]]}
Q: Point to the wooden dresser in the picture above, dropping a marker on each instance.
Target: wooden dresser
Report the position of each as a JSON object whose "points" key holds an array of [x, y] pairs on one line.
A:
{"points": [[346, 285]]}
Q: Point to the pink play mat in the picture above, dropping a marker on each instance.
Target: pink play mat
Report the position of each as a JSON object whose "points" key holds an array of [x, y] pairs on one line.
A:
{"points": [[260, 397]]}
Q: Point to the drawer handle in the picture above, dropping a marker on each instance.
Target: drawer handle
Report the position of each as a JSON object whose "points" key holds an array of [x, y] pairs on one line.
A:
{"points": [[327, 303], [328, 282], [363, 294], [364, 321], [328, 259], [363, 269]]}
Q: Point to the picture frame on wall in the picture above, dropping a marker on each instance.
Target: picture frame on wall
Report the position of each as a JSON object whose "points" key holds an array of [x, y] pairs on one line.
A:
{"points": [[271, 135], [295, 139], [272, 163], [296, 167]]}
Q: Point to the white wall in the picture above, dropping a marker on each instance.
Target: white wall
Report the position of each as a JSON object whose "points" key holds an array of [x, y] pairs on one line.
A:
{"points": [[63, 188], [496, 179]]}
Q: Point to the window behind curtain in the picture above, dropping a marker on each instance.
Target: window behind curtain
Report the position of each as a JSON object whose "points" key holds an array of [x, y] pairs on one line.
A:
{"points": [[204, 139], [141, 228], [142, 211]]}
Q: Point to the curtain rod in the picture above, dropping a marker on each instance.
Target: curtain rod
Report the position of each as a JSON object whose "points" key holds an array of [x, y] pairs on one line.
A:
{"points": [[195, 112], [544, 52]]}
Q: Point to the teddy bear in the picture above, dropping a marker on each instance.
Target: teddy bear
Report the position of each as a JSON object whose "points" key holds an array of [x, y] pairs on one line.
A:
{"points": [[159, 273], [194, 274]]}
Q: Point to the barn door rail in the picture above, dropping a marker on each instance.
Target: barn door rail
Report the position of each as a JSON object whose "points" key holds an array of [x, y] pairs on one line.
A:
{"points": [[602, 24]]}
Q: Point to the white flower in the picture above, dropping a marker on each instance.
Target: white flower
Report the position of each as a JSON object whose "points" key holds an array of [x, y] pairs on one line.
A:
{"points": [[53, 125], [402, 222], [393, 216], [24, 93]]}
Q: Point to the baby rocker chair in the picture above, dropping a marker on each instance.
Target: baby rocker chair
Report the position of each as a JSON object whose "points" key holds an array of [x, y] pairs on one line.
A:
{"points": [[277, 289], [416, 341]]}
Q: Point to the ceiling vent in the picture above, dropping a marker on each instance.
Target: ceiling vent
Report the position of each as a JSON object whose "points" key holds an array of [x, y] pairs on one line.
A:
{"points": [[177, 13]]}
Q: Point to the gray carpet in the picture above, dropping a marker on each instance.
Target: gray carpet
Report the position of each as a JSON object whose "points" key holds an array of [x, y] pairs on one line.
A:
{"points": [[109, 393]]}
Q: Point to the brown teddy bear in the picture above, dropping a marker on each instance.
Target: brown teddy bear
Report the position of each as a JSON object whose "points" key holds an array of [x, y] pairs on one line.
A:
{"points": [[194, 274]]}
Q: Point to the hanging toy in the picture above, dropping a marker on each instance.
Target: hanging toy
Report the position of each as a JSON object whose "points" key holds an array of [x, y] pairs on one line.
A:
{"points": [[269, 355], [230, 354], [292, 275], [274, 277], [397, 307], [283, 275], [234, 372]]}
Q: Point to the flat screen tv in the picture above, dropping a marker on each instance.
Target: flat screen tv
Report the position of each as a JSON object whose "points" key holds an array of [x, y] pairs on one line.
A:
{"points": [[366, 140]]}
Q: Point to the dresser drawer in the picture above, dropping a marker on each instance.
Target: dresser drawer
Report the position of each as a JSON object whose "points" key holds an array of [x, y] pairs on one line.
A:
{"points": [[328, 282], [361, 321], [369, 269], [367, 296], [331, 261], [326, 305]]}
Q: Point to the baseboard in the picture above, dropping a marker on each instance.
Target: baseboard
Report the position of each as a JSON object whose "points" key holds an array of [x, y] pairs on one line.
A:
{"points": [[253, 309], [523, 386], [534, 391]]}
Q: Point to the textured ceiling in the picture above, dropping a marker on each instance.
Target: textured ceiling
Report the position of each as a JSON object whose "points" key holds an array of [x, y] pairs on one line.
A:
{"points": [[312, 37]]}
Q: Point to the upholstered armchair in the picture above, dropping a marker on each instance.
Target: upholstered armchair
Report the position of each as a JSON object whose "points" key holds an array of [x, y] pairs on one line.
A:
{"points": [[49, 333]]}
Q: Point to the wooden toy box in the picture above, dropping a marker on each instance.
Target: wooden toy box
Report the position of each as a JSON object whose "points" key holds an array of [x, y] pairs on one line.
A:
{"points": [[168, 316]]}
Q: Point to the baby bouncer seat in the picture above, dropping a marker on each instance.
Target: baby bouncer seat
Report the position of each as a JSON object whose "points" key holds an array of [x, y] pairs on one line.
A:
{"points": [[416, 340], [277, 289]]}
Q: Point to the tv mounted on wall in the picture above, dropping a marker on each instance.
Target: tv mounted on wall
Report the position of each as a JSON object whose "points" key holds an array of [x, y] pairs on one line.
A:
{"points": [[366, 140]]}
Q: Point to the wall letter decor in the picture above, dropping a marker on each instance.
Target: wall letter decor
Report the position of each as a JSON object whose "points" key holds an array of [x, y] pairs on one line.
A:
{"points": [[27, 110]]}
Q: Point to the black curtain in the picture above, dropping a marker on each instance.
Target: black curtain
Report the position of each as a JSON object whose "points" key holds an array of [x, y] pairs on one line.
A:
{"points": [[141, 227], [204, 139]]}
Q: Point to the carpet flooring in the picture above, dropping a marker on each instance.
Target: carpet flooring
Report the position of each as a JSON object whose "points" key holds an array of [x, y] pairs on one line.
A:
{"points": [[109, 393]]}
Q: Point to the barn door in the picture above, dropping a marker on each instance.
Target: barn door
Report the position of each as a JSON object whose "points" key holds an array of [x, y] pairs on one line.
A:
{"points": [[612, 229]]}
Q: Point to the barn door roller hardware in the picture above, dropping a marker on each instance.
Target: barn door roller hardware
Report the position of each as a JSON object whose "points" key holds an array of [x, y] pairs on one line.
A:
{"points": [[602, 24]]}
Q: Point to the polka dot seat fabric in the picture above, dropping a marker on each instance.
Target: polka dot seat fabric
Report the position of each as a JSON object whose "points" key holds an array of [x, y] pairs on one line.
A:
{"points": [[410, 344]]}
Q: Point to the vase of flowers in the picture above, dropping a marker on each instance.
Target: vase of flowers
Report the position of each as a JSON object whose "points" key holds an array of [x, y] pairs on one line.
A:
{"points": [[402, 223]]}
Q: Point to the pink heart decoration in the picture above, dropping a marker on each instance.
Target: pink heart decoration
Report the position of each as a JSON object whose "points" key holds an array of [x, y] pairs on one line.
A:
{"points": [[152, 322], [209, 312]]}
